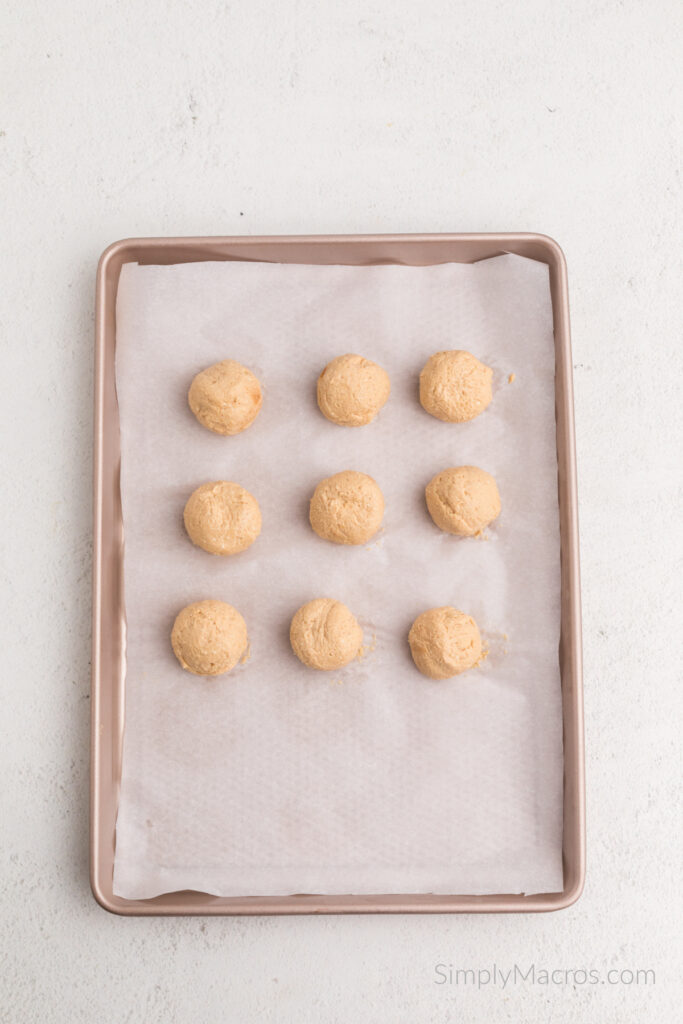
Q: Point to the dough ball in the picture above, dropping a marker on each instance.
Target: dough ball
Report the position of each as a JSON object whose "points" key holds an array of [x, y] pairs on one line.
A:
{"points": [[226, 397], [444, 642], [209, 637], [222, 518], [352, 390], [455, 387], [347, 508], [325, 634], [463, 500]]}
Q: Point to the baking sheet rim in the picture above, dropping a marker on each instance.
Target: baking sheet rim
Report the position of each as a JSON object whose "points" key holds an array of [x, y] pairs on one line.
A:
{"points": [[107, 679]]}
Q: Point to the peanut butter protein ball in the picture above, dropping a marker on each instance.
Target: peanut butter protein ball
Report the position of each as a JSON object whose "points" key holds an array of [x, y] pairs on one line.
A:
{"points": [[347, 508], [222, 518], [226, 397], [463, 500], [352, 390], [444, 642], [324, 634], [455, 386], [209, 637]]}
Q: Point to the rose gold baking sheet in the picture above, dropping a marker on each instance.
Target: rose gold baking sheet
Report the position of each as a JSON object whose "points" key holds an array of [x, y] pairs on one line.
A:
{"points": [[108, 612]]}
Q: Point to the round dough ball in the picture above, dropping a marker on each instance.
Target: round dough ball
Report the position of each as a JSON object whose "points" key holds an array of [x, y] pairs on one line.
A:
{"points": [[455, 386], [352, 390], [463, 500], [325, 634], [222, 518], [347, 508], [444, 642], [226, 397], [209, 637]]}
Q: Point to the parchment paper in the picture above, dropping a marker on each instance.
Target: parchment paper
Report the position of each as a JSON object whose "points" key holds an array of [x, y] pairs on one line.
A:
{"points": [[278, 779]]}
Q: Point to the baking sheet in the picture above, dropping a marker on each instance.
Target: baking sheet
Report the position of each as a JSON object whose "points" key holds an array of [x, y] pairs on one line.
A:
{"points": [[276, 779]]}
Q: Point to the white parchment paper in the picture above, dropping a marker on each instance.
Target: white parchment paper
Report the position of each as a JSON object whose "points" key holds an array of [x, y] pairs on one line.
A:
{"points": [[278, 779]]}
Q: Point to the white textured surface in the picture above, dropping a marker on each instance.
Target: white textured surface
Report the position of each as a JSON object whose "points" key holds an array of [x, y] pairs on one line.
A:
{"points": [[171, 118]]}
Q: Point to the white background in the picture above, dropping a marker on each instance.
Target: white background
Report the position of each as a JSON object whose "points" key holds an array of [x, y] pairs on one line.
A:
{"points": [[165, 118]]}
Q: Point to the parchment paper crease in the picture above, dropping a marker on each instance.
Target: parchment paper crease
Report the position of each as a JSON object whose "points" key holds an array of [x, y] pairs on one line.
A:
{"points": [[276, 779]]}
